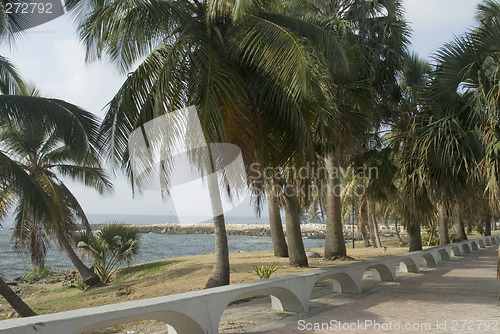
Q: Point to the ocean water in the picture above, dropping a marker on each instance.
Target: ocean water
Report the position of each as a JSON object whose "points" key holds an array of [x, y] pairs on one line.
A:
{"points": [[166, 219], [153, 246]]}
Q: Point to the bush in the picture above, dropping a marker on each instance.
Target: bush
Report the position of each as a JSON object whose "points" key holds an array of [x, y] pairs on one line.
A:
{"points": [[428, 239], [80, 285], [109, 247], [454, 237], [266, 271], [36, 274]]}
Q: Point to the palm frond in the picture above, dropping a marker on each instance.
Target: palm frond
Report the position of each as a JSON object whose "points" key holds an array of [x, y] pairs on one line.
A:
{"points": [[129, 30], [10, 79]]}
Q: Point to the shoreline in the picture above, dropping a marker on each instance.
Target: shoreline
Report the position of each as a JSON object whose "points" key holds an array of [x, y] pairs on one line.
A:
{"points": [[312, 231]]}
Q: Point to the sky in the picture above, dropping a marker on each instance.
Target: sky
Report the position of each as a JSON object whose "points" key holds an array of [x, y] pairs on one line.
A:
{"points": [[52, 57]]}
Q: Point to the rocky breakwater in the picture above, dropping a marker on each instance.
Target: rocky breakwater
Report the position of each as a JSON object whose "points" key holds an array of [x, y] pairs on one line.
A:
{"points": [[312, 231]]}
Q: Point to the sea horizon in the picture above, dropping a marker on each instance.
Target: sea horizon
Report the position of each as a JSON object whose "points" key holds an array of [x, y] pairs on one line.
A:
{"points": [[135, 219], [146, 219]]}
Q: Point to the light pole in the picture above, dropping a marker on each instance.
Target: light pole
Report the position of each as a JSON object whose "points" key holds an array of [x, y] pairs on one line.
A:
{"points": [[353, 218]]}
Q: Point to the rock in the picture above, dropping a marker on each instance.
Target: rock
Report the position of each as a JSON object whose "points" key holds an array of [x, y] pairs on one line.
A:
{"points": [[123, 292], [313, 255]]}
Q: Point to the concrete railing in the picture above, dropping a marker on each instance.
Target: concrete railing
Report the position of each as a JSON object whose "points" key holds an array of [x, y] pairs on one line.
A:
{"points": [[201, 311]]}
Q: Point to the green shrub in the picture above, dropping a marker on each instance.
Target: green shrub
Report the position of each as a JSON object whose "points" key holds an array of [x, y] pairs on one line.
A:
{"points": [[80, 285], [108, 247], [453, 237], [430, 237], [36, 274], [266, 271]]}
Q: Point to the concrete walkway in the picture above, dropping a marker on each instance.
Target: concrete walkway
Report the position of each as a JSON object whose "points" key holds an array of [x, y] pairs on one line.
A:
{"points": [[459, 296]]}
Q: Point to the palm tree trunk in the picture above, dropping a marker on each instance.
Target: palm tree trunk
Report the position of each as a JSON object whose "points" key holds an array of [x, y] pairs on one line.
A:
{"points": [[86, 225], [276, 227], [460, 227], [296, 253], [88, 276], [431, 235], [334, 239], [469, 227], [487, 222], [220, 271], [372, 232], [364, 233], [444, 237], [415, 237], [362, 220], [402, 243], [376, 232], [14, 300]]}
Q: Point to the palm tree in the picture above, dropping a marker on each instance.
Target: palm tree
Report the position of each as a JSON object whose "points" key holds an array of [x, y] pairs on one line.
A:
{"points": [[239, 65], [376, 33], [484, 86], [5, 291], [18, 109], [10, 83], [110, 246], [464, 97], [14, 300], [412, 198], [370, 187], [34, 151]]}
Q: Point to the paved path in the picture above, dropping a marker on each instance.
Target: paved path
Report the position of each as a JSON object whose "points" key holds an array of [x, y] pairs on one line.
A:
{"points": [[459, 296]]}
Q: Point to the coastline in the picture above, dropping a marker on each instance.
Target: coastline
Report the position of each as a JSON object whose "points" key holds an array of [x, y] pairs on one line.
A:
{"points": [[309, 231], [312, 231]]}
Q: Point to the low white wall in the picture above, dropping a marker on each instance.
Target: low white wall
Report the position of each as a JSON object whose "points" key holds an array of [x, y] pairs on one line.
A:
{"points": [[200, 311]]}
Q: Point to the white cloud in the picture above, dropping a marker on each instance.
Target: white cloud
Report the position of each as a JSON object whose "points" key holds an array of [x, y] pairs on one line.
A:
{"points": [[90, 86]]}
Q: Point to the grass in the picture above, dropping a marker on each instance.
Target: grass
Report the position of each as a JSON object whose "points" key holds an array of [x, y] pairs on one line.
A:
{"points": [[143, 269], [58, 290]]}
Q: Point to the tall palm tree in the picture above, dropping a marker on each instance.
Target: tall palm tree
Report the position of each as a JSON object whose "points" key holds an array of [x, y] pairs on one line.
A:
{"points": [[239, 64], [34, 152], [378, 36], [5, 291], [464, 96], [483, 88], [412, 197], [50, 114], [10, 83]]}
